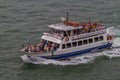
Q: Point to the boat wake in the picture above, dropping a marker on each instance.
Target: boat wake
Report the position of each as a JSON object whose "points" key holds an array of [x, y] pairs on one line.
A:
{"points": [[82, 59], [86, 58]]}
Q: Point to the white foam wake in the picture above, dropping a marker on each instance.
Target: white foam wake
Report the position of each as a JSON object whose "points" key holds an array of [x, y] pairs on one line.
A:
{"points": [[83, 59], [86, 58]]}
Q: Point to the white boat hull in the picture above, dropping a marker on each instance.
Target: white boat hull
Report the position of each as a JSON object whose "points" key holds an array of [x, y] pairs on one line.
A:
{"points": [[65, 53]]}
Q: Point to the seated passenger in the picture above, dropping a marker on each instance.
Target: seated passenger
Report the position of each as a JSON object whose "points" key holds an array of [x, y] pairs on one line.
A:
{"points": [[35, 48]]}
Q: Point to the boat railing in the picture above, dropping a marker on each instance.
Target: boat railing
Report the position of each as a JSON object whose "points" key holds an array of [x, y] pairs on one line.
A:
{"points": [[74, 37], [88, 34]]}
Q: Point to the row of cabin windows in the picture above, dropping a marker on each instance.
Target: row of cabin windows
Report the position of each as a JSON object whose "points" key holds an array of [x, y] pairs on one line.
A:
{"points": [[100, 38], [67, 33], [86, 41]]}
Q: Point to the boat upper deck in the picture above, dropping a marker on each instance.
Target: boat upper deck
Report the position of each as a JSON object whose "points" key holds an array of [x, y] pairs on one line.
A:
{"points": [[58, 39], [72, 30]]}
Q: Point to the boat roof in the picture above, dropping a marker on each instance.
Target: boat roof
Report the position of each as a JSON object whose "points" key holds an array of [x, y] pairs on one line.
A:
{"points": [[62, 26], [52, 39]]}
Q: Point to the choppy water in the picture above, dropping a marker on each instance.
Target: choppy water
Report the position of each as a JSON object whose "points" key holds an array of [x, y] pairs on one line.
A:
{"points": [[23, 21]]}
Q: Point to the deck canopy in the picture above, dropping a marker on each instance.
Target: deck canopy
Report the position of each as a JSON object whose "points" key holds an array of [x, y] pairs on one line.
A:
{"points": [[52, 39], [62, 26]]}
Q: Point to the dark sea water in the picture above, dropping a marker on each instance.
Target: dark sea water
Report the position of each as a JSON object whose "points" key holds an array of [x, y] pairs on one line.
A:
{"points": [[24, 21]]}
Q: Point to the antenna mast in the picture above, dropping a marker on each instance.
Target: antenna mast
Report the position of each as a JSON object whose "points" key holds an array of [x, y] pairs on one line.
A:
{"points": [[67, 16]]}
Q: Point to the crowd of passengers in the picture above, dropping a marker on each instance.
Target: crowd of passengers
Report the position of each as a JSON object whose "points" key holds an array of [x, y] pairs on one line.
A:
{"points": [[43, 46]]}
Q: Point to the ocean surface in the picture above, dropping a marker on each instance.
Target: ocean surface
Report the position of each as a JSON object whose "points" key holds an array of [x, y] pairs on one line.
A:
{"points": [[24, 21]]}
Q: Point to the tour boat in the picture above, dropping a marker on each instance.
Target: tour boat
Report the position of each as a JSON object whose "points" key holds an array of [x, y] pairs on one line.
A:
{"points": [[69, 39]]}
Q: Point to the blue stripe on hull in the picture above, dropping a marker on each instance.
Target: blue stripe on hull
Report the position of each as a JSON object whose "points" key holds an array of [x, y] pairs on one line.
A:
{"points": [[71, 54]]}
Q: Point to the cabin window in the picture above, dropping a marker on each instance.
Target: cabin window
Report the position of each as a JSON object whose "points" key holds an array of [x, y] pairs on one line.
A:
{"points": [[74, 44], [85, 42], [75, 32], [96, 39], [58, 31], [63, 46], [78, 31], [69, 32], [65, 34], [79, 43], [55, 31], [90, 40], [58, 45], [101, 38], [68, 45]]}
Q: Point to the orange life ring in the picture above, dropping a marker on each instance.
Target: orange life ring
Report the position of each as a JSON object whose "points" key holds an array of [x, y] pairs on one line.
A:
{"points": [[67, 39], [109, 37]]}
